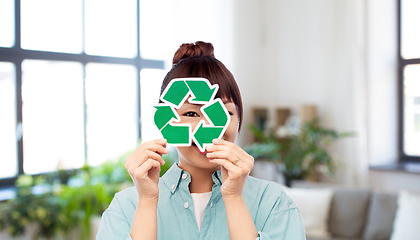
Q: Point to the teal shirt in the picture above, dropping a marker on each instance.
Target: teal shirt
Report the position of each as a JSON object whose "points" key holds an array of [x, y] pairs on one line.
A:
{"points": [[274, 213]]}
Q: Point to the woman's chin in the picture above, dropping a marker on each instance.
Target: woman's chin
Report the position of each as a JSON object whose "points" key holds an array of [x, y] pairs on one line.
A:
{"points": [[195, 157]]}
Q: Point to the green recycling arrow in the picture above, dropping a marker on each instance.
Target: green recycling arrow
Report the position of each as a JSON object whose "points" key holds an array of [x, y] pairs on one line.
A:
{"points": [[202, 92], [163, 115], [179, 134], [216, 112], [175, 93], [204, 135]]}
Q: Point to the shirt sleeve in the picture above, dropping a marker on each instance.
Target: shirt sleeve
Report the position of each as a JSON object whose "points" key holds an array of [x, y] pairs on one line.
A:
{"points": [[114, 224], [283, 222]]}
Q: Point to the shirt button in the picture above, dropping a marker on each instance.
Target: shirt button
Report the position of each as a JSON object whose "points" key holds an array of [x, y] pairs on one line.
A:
{"points": [[211, 204], [173, 187], [184, 176], [186, 205]]}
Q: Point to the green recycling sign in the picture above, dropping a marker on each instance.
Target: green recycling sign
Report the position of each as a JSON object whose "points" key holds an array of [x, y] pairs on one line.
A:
{"points": [[201, 92]]}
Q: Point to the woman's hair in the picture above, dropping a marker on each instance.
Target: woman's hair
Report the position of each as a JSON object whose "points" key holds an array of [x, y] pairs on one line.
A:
{"points": [[197, 60]]}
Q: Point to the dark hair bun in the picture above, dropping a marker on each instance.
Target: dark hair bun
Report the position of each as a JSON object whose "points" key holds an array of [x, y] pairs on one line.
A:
{"points": [[196, 49]]}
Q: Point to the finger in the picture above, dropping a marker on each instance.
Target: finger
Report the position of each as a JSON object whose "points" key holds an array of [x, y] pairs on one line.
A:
{"points": [[229, 153], [155, 156], [245, 163], [142, 172], [226, 164], [159, 148], [158, 145], [234, 171], [213, 148], [232, 149], [145, 156], [245, 167], [160, 141], [136, 163], [222, 145], [222, 142]]}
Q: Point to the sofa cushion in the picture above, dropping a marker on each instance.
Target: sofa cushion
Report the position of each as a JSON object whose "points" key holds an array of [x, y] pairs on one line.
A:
{"points": [[407, 219], [348, 212], [314, 206], [382, 209]]}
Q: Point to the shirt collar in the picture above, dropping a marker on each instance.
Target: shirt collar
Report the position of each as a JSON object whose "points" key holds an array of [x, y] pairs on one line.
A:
{"points": [[174, 176]]}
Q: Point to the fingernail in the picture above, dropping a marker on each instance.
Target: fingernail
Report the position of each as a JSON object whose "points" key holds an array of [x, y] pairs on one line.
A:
{"points": [[216, 140], [209, 148], [163, 141]]}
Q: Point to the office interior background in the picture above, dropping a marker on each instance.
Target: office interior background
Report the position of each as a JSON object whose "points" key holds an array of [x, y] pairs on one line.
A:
{"points": [[78, 78]]}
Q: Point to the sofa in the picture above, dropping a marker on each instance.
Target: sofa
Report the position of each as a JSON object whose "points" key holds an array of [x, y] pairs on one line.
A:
{"points": [[344, 213]]}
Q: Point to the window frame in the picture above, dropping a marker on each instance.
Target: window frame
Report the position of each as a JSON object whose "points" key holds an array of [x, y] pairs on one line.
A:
{"points": [[17, 55], [402, 63]]}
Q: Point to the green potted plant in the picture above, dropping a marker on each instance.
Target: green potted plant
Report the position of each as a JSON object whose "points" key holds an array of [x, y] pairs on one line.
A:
{"points": [[63, 200], [266, 153], [304, 152], [42, 209], [267, 148]]}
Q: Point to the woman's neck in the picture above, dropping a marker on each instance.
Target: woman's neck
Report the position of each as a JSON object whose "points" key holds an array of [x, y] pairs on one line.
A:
{"points": [[201, 179]]}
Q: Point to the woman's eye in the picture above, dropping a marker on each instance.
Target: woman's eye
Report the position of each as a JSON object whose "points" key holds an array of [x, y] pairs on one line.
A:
{"points": [[191, 114], [231, 113]]}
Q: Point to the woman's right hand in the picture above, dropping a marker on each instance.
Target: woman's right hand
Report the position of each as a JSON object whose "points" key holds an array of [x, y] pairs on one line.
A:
{"points": [[143, 165]]}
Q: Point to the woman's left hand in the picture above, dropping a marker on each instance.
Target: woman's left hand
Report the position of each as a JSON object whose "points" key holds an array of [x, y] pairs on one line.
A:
{"points": [[236, 166]]}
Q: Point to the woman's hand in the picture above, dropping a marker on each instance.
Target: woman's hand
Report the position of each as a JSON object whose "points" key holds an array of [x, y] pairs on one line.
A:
{"points": [[236, 166], [144, 168]]}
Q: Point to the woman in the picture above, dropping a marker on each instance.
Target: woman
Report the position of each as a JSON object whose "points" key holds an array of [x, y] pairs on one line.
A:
{"points": [[206, 195]]}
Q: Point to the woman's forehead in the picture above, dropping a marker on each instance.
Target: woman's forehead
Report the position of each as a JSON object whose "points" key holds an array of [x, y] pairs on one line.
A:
{"points": [[188, 104], [226, 102]]}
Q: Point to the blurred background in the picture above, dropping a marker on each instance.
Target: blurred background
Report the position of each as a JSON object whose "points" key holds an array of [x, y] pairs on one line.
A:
{"points": [[78, 79]]}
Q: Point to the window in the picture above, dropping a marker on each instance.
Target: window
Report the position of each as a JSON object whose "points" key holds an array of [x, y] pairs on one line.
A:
{"points": [[110, 101], [69, 88], [409, 81], [52, 115], [8, 153]]}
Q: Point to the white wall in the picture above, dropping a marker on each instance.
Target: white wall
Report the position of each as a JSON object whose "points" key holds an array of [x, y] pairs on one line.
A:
{"points": [[382, 75], [298, 52], [339, 55], [165, 25], [382, 104]]}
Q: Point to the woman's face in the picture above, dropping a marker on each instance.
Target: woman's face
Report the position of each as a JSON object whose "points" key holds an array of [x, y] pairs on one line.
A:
{"points": [[191, 156]]}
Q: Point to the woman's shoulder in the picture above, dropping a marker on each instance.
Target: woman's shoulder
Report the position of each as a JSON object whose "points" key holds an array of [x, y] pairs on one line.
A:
{"points": [[264, 185], [128, 195], [267, 192]]}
